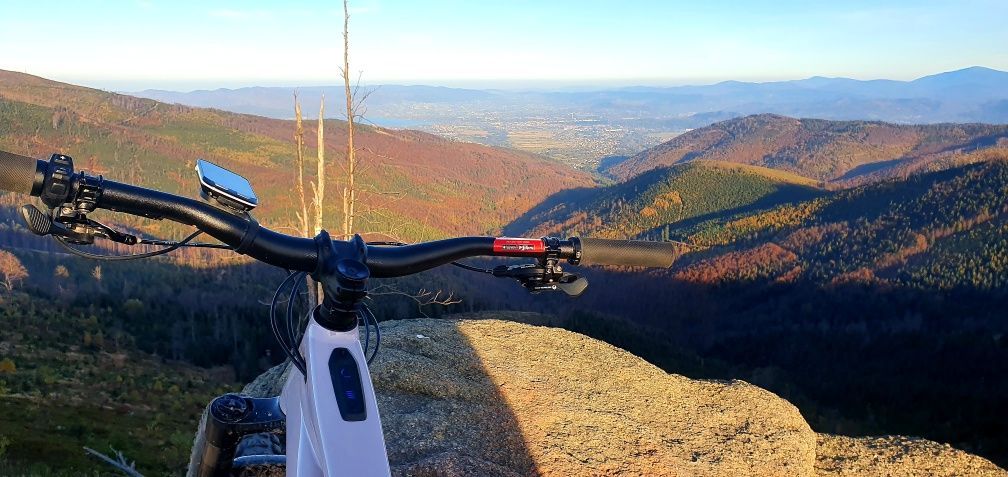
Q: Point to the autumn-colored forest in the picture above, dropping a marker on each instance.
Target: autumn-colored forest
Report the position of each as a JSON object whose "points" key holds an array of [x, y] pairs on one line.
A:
{"points": [[874, 300], [416, 185], [841, 153]]}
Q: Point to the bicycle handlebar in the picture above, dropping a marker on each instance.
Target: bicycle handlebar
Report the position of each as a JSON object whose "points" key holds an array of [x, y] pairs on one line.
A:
{"points": [[27, 175], [634, 253], [241, 232], [20, 173]]}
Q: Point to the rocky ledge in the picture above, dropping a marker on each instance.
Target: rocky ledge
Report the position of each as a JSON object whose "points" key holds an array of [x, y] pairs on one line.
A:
{"points": [[483, 397]]}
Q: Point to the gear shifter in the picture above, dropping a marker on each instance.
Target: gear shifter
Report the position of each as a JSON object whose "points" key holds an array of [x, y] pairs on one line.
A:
{"points": [[537, 278]]}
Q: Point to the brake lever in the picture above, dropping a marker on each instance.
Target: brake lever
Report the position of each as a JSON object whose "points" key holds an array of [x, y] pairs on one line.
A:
{"points": [[41, 224], [79, 231]]}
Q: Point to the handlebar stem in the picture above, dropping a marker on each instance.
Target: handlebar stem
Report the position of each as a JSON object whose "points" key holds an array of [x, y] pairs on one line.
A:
{"points": [[342, 271]]}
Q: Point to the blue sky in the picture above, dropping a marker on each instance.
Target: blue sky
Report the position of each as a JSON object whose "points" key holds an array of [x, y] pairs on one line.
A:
{"points": [[134, 44]]}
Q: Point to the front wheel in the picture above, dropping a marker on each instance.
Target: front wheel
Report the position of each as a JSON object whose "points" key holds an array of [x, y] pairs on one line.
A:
{"points": [[237, 441]]}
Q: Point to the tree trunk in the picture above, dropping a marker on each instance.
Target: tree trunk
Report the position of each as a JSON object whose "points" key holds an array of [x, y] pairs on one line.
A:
{"points": [[320, 181], [303, 225], [348, 189]]}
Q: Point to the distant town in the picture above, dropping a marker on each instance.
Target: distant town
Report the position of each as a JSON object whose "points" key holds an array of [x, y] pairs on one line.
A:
{"points": [[578, 139]]}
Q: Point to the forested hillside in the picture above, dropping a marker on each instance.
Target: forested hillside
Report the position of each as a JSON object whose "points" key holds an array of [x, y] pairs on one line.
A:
{"points": [[941, 230], [68, 379], [841, 152], [417, 185], [686, 193]]}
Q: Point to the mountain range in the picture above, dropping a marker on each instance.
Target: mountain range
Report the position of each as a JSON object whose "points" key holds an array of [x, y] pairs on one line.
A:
{"points": [[974, 94]]}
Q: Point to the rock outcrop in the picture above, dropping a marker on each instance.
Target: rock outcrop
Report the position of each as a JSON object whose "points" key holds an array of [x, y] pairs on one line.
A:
{"points": [[896, 456], [522, 400], [489, 397]]}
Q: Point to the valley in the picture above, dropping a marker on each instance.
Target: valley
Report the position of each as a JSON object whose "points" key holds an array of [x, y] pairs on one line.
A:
{"points": [[582, 126], [855, 268]]}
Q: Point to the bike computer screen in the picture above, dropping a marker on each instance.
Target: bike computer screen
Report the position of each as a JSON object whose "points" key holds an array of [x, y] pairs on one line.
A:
{"points": [[225, 186]]}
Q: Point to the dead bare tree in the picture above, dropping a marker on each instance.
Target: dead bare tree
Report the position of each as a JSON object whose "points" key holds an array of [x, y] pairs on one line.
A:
{"points": [[302, 216], [318, 187], [304, 228], [355, 110], [349, 194], [120, 462]]}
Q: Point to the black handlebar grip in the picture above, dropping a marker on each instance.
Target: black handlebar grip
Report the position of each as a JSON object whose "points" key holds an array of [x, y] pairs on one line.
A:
{"points": [[633, 253], [17, 173]]}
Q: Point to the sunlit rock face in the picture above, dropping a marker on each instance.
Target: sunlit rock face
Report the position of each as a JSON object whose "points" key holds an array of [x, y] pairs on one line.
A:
{"points": [[481, 396]]}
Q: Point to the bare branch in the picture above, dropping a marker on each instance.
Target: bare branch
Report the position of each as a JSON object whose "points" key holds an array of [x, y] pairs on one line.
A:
{"points": [[422, 297], [120, 462]]}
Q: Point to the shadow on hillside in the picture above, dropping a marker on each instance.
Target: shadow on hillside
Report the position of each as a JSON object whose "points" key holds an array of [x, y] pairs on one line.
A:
{"points": [[609, 162], [873, 201], [785, 194], [565, 203], [975, 144], [560, 199], [870, 168]]}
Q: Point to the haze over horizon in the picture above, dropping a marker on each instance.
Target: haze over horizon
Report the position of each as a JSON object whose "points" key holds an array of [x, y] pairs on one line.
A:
{"points": [[558, 85], [190, 45]]}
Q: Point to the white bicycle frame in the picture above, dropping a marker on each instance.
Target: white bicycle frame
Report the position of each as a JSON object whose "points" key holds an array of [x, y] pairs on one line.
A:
{"points": [[320, 442]]}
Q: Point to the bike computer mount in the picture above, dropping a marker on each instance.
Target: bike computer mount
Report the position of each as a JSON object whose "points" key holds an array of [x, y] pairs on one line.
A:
{"points": [[225, 187]]}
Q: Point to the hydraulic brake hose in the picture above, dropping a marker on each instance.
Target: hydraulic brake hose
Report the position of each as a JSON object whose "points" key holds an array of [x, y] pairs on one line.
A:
{"points": [[274, 248]]}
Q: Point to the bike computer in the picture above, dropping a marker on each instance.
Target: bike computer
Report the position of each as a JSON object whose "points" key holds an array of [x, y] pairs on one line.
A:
{"points": [[226, 187]]}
